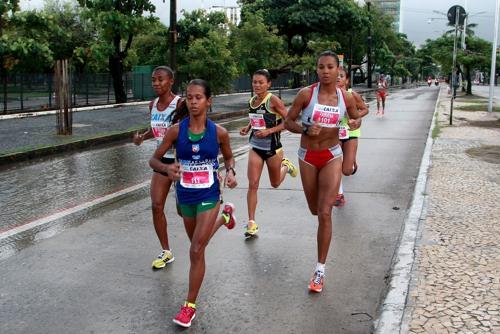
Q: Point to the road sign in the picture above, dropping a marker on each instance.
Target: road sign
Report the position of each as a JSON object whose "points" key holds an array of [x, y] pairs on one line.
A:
{"points": [[452, 13]]}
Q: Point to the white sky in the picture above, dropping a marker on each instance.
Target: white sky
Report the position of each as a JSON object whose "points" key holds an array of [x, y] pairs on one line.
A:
{"points": [[416, 14]]}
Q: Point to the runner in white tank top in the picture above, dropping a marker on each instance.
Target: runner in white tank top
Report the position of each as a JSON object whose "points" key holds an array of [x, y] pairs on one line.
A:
{"points": [[320, 107]]}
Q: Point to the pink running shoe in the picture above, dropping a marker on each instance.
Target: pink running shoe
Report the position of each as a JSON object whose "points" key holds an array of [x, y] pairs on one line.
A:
{"points": [[228, 211], [185, 316], [339, 201]]}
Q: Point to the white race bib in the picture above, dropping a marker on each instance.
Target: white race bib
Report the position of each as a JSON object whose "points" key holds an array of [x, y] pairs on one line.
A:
{"points": [[343, 132], [197, 176], [326, 116], [257, 121]]}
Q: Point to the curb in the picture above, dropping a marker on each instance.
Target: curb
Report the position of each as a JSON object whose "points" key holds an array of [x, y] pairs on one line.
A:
{"points": [[392, 308], [92, 141]]}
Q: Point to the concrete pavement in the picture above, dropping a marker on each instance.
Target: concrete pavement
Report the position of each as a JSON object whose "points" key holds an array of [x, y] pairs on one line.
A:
{"points": [[455, 281], [95, 276]]}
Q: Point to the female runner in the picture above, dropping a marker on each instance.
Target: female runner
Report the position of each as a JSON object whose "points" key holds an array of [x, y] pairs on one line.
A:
{"points": [[197, 141], [266, 113], [161, 110], [349, 138], [321, 107]]}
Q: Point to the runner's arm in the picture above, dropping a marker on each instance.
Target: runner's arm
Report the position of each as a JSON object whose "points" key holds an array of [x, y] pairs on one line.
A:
{"points": [[138, 138], [352, 111], [278, 107], [227, 154], [296, 108], [360, 104], [155, 162]]}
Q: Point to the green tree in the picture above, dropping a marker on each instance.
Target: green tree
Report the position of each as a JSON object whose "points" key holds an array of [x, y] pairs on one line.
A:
{"points": [[209, 58], [118, 22], [151, 47], [257, 46]]}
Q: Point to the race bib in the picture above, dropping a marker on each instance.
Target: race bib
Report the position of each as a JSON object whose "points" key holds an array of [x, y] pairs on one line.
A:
{"points": [[343, 132], [197, 176], [257, 121], [326, 116], [159, 130]]}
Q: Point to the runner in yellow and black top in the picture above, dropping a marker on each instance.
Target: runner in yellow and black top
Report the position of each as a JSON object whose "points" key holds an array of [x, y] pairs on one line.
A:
{"points": [[266, 114], [349, 138]]}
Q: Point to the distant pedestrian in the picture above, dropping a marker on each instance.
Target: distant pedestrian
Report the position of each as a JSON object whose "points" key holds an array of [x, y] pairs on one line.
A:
{"points": [[161, 110], [349, 138], [381, 94], [197, 141], [266, 113], [321, 107]]}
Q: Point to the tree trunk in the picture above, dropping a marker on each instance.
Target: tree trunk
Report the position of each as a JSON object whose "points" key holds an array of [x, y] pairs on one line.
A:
{"points": [[469, 80], [116, 70]]}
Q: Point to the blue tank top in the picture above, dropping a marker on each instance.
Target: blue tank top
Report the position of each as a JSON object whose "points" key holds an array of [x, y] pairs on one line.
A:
{"points": [[199, 165]]}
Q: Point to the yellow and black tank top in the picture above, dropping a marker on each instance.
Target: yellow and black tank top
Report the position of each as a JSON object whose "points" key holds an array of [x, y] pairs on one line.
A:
{"points": [[262, 117]]}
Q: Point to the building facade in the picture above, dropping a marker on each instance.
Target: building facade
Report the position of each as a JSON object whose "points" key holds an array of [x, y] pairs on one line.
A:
{"points": [[233, 13], [392, 8]]}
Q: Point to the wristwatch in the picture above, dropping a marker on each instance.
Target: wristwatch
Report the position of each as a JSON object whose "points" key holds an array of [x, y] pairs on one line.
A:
{"points": [[305, 128]]}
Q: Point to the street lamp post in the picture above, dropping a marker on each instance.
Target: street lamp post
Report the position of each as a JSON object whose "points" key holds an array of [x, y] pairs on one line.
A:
{"points": [[369, 53], [173, 33], [493, 58]]}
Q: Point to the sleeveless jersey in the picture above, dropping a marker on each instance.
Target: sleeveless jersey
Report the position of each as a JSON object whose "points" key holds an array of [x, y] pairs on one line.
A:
{"points": [[199, 165], [354, 133], [262, 117], [161, 121], [326, 116]]}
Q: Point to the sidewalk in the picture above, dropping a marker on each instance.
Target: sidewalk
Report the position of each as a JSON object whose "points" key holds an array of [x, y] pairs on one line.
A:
{"points": [[455, 282]]}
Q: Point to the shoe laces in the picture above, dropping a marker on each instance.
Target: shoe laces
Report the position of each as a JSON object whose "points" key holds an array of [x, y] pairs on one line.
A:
{"points": [[160, 256], [318, 275], [187, 311]]}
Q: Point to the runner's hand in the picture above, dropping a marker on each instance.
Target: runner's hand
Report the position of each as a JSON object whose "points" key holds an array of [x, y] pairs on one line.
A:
{"points": [[230, 180], [244, 131], [138, 138], [262, 133], [173, 171], [354, 123], [314, 130]]}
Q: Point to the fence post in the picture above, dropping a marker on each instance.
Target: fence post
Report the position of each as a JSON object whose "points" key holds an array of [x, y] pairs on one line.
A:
{"points": [[21, 93], [142, 86], [4, 84], [109, 83], [87, 89], [50, 78]]}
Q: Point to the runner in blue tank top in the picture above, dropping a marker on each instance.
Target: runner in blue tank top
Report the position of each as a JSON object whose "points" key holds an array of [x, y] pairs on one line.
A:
{"points": [[197, 141]]}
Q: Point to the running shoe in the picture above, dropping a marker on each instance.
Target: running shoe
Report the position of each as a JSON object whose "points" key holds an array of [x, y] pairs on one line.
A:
{"points": [[163, 259], [228, 213], [185, 316], [292, 170], [252, 229], [339, 201], [316, 284]]}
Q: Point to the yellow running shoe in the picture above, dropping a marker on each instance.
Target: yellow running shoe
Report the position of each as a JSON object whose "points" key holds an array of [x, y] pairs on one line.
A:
{"points": [[252, 229], [292, 170], [163, 259]]}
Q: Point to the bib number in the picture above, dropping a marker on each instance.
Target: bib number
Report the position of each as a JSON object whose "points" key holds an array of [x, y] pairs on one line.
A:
{"points": [[343, 132], [326, 116], [257, 121], [197, 176]]}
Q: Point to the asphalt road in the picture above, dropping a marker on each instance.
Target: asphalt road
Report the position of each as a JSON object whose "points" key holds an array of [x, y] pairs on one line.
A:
{"points": [[89, 272]]}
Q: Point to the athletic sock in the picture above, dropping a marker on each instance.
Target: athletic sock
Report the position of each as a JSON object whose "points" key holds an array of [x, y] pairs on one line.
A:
{"points": [[188, 304], [341, 188], [320, 267], [226, 217]]}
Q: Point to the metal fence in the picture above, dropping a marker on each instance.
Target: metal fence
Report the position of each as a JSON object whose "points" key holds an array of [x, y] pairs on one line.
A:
{"points": [[32, 92]]}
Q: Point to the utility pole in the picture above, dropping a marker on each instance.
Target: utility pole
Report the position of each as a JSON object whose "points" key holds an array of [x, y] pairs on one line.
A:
{"points": [[173, 33], [493, 58], [369, 55]]}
